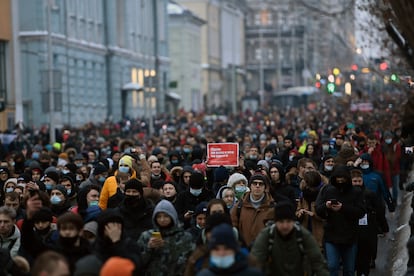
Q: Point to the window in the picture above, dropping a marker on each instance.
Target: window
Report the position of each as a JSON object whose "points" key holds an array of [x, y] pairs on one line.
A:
{"points": [[258, 54]]}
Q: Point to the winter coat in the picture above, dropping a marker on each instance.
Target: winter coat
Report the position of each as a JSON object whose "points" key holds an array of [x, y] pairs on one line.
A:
{"points": [[12, 242], [341, 226], [373, 181], [239, 268], [314, 224], [249, 220], [172, 257], [73, 253], [392, 154], [188, 202], [380, 163], [136, 219], [286, 257], [109, 189]]}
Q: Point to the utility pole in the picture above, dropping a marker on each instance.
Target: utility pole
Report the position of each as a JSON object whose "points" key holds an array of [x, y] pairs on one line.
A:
{"points": [[52, 135], [261, 73]]}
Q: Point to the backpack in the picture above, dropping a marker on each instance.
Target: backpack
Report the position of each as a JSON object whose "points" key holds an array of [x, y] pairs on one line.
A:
{"points": [[299, 238]]}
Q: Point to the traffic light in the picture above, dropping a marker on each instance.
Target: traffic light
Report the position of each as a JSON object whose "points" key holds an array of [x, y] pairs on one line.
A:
{"points": [[394, 77], [383, 66], [318, 84], [354, 67], [330, 87]]}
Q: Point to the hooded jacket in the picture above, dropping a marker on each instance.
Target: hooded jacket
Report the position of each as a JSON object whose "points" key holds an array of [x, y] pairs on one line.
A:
{"points": [[341, 226], [178, 245], [12, 242]]}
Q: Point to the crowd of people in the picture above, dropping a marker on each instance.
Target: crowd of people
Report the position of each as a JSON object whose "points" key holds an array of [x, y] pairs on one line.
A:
{"points": [[308, 197]]}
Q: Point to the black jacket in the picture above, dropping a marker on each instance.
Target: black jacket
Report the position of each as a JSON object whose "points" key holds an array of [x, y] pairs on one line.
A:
{"points": [[187, 202], [341, 227]]}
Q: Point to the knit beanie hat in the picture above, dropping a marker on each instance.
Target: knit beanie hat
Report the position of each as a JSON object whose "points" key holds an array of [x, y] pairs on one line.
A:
{"points": [[134, 184], [42, 215], [197, 180], [284, 210], [201, 208], [236, 177], [52, 175], [223, 235], [125, 160], [258, 176], [88, 265], [99, 169], [61, 189], [117, 266]]}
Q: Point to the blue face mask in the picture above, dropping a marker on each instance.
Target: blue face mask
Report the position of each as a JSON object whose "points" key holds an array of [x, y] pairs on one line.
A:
{"points": [[240, 189], [101, 179], [187, 150], [55, 200], [123, 169], [93, 203], [65, 171], [195, 192], [9, 190], [68, 191], [222, 262], [49, 186], [175, 162]]}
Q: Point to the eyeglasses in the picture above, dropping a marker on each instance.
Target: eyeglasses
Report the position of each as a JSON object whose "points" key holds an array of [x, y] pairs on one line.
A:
{"points": [[257, 183]]}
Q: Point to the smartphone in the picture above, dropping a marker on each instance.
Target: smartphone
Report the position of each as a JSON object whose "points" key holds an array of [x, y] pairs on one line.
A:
{"points": [[156, 235], [409, 150], [334, 201]]}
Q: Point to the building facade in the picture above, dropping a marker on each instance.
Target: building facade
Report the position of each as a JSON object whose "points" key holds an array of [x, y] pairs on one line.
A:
{"points": [[6, 66], [86, 52], [185, 54], [222, 50], [289, 42]]}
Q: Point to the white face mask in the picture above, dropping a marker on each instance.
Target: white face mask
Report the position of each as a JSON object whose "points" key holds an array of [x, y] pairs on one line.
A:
{"points": [[328, 168], [388, 141], [325, 147], [365, 166], [195, 192]]}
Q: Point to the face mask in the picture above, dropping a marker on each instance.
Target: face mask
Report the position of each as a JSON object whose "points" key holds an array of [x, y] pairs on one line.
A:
{"points": [[291, 157], [9, 190], [267, 158], [101, 179], [68, 191], [195, 192], [78, 178], [187, 150], [93, 203], [325, 147], [35, 155], [222, 262], [178, 148], [68, 241], [49, 186], [388, 141], [365, 166], [43, 231], [240, 189], [55, 200], [273, 141], [65, 171], [131, 201], [328, 168], [12, 164], [253, 157], [175, 162], [123, 169], [79, 165]]}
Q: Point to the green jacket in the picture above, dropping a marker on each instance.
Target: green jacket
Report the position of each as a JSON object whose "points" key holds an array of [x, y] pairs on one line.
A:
{"points": [[286, 256]]}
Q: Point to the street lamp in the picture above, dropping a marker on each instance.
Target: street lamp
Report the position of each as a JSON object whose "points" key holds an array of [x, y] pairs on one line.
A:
{"points": [[128, 87]]}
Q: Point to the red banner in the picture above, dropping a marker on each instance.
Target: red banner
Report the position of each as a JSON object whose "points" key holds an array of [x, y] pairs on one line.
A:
{"points": [[223, 154]]}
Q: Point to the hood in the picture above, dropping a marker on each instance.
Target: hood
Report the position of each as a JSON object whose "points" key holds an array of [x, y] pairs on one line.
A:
{"points": [[107, 216], [236, 177], [166, 207], [341, 171]]}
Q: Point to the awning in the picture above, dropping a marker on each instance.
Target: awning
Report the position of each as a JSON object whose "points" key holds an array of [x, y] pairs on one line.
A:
{"points": [[173, 96]]}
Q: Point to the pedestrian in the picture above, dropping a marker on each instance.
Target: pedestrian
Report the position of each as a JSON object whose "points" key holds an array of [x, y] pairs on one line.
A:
{"points": [[286, 247], [226, 257], [166, 247], [341, 205], [50, 263]]}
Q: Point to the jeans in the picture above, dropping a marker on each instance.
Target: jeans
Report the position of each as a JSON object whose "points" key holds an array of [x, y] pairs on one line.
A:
{"points": [[336, 252]]}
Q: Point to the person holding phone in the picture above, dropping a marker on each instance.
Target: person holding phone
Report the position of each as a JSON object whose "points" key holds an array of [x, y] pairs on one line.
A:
{"points": [[341, 205], [166, 247]]}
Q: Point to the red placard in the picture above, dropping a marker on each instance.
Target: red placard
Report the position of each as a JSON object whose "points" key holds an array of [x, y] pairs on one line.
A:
{"points": [[223, 154]]}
